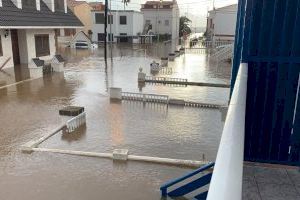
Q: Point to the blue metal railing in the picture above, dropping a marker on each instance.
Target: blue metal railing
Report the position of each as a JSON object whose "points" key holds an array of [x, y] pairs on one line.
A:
{"points": [[189, 187]]}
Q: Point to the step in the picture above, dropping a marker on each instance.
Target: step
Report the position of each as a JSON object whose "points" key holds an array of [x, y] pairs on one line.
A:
{"points": [[191, 186], [201, 196]]}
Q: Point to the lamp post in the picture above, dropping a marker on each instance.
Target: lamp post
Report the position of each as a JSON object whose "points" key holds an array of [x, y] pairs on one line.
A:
{"points": [[157, 24]]}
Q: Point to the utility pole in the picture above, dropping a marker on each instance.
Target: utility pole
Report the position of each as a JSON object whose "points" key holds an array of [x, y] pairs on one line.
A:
{"points": [[105, 32], [111, 36]]}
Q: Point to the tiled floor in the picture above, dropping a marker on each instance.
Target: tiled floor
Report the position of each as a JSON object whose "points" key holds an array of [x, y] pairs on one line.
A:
{"points": [[271, 183]]}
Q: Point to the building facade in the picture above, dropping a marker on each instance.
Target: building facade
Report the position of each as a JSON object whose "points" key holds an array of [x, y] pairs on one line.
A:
{"points": [[221, 23], [162, 18], [126, 26], [83, 11], [29, 29]]}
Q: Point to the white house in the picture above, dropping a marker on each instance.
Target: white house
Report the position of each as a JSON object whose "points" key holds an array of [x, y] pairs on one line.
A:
{"points": [[126, 26], [29, 29], [221, 23], [162, 17]]}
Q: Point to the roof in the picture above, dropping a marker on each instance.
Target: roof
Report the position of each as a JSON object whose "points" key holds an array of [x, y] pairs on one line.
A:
{"points": [[163, 4], [11, 16], [82, 33], [232, 7], [119, 11]]}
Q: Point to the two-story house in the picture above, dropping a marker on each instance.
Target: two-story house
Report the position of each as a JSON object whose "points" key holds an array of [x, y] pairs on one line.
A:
{"points": [[29, 29], [126, 26], [163, 17], [221, 23]]}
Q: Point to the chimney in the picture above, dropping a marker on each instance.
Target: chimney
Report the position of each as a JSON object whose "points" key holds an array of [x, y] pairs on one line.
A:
{"points": [[18, 3], [38, 5], [66, 6]]}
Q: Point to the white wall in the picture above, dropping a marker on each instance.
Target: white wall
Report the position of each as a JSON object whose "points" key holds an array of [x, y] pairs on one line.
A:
{"points": [[134, 24], [159, 15], [7, 50], [225, 23], [31, 43]]}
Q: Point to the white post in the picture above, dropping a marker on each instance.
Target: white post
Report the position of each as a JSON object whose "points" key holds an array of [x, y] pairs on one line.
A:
{"points": [[66, 6], [226, 182], [38, 5], [115, 93]]}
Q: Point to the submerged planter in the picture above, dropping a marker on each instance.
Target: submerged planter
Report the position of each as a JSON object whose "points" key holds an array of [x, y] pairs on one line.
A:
{"points": [[182, 50], [164, 62], [172, 56]]}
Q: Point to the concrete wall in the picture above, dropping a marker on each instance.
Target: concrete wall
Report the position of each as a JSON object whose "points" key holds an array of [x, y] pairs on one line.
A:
{"points": [[83, 12], [31, 42], [7, 50], [225, 23]]}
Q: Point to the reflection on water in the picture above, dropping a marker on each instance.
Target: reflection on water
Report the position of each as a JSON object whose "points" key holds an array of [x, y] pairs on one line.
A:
{"points": [[30, 110]]}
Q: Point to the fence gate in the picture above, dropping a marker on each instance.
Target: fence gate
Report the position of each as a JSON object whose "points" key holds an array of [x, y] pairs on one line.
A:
{"points": [[295, 133]]}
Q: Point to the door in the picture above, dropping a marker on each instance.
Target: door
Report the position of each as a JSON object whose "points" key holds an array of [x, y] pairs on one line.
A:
{"points": [[124, 38], [295, 134], [101, 37], [15, 46]]}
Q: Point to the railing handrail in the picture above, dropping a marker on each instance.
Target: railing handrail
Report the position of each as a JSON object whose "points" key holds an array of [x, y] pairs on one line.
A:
{"points": [[164, 187], [226, 182], [147, 94]]}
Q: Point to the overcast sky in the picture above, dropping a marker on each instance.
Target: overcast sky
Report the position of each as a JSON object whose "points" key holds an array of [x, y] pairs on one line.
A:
{"points": [[196, 10]]}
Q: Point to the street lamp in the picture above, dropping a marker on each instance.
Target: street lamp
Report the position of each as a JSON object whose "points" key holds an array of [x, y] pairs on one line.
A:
{"points": [[157, 25]]}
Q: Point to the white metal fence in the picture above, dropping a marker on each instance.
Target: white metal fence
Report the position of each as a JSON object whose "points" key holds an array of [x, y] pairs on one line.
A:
{"points": [[164, 79], [76, 122], [145, 97]]}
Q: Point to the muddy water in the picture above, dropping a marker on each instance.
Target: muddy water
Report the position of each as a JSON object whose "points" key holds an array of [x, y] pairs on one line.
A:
{"points": [[30, 110]]}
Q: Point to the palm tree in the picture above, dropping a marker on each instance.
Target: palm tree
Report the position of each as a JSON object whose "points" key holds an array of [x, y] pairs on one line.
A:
{"points": [[125, 3], [184, 26]]}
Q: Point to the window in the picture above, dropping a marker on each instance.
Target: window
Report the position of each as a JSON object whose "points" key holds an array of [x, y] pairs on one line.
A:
{"points": [[29, 4], [70, 32], [1, 51], [167, 22], [148, 21], [110, 19], [59, 5], [123, 20], [99, 18], [42, 47]]}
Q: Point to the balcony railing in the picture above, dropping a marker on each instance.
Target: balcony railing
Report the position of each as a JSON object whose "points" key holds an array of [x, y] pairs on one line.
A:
{"points": [[226, 182]]}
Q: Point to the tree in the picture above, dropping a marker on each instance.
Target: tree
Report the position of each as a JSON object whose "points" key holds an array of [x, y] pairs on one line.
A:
{"points": [[184, 26], [125, 3]]}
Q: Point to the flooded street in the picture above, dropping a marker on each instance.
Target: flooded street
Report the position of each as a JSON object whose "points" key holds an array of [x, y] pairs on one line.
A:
{"points": [[30, 110]]}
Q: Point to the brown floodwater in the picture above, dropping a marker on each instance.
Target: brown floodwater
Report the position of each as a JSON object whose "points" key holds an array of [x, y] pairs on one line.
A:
{"points": [[30, 110]]}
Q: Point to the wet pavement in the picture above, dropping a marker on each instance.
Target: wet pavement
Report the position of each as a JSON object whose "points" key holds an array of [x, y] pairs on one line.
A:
{"points": [[30, 110], [267, 182]]}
